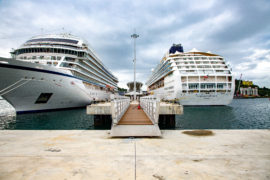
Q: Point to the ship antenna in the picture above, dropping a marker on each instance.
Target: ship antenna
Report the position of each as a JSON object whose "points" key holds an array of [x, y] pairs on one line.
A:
{"points": [[134, 36]]}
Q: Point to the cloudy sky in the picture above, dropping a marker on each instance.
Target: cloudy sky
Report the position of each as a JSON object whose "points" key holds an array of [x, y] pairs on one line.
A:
{"points": [[239, 30]]}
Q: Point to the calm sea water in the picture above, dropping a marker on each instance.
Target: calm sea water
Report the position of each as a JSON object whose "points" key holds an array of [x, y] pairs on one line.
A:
{"points": [[240, 114]]}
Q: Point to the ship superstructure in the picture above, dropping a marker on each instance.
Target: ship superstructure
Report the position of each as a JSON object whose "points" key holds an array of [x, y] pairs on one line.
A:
{"points": [[192, 78], [64, 70]]}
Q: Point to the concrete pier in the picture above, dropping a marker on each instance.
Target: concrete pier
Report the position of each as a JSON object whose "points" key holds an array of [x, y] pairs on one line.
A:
{"points": [[134, 122], [99, 109], [220, 154], [105, 109]]}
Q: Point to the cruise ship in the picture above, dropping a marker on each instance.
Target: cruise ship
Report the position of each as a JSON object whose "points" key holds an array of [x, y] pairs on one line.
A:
{"points": [[192, 78], [55, 71]]}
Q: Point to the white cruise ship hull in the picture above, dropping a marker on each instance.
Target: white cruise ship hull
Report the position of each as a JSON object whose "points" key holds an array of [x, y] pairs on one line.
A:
{"points": [[196, 99], [201, 99], [30, 87]]}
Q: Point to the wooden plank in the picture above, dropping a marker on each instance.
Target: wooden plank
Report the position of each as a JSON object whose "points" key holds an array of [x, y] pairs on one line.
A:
{"points": [[135, 116]]}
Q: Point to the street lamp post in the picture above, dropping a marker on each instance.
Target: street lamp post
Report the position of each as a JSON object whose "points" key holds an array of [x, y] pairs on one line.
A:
{"points": [[134, 36]]}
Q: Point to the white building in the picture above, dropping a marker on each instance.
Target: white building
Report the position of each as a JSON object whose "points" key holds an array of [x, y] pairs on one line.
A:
{"points": [[249, 91]]}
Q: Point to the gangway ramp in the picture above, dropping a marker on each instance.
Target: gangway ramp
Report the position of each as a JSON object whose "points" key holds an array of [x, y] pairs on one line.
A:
{"points": [[135, 123], [127, 120], [135, 116]]}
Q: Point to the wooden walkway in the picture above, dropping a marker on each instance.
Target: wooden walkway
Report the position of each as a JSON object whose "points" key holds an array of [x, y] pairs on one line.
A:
{"points": [[135, 116], [135, 123]]}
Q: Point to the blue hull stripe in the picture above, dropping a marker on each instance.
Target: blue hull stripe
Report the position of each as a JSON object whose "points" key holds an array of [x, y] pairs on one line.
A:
{"points": [[45, 71], [49, 110]]}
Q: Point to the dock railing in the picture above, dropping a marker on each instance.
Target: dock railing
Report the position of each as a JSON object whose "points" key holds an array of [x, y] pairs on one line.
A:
{"points": [[150, 105], [119, 105]]}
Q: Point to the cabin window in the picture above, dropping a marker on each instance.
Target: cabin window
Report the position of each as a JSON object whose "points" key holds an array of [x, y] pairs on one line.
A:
{"points": [[202, 86], [210, 86], [220, 86], [70, 59], [81, 54], [193, 86]]}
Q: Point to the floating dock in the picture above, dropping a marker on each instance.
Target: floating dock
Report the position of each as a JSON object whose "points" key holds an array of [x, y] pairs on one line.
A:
{"points": [[135, 119], [82, 154]]}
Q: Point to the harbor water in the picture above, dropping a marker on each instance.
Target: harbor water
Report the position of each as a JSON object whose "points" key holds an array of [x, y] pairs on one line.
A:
{"points": [[240, 114]]}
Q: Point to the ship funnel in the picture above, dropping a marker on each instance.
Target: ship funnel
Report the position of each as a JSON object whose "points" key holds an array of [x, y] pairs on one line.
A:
{"points": [[176, 47]]}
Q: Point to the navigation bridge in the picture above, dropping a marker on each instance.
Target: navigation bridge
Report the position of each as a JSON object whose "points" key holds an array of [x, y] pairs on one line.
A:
{"points": [[135, 119]]}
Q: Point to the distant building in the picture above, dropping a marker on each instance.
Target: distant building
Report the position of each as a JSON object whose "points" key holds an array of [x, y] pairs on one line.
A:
{"points": [[131, 86], [130, 92], [249, 91]]}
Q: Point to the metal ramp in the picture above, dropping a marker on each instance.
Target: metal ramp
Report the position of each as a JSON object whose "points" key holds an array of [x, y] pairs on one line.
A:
{"points": [[135, 123]]}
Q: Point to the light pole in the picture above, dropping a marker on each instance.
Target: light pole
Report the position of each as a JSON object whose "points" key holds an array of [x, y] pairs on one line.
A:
{"points": [[134, 36]]}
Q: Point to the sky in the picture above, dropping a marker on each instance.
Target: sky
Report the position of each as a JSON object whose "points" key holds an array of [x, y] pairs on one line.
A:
{"points": [[238, 30]]}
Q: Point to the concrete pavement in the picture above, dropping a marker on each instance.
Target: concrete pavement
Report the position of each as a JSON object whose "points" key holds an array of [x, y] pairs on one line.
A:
{"points": [[90, 154]]}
